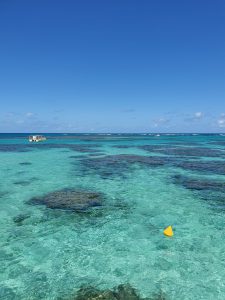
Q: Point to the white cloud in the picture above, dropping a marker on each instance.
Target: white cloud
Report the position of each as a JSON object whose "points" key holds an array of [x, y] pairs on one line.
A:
{"points": [[198, 115], [194, 117], [221, 121], [160, 121]]}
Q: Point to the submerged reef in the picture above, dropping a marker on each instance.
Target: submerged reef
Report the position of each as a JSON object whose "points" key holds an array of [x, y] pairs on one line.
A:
{"points": [[122, 292], [200, 183], [67, 199], [211, 191], [211, 166], [184, 151], [117, 165], [20, 218]]}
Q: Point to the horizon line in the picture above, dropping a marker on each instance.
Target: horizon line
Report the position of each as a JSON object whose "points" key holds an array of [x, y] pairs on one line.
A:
{"points": [[108, 132]]}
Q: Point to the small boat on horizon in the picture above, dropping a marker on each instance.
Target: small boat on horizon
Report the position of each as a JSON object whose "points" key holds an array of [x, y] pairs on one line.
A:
{"points": [[37, 138]]}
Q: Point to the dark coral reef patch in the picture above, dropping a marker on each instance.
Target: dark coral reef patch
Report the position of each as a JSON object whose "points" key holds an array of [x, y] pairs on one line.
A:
{"points": [[184, 151], [68, 199], [211, 167], [199, 184], [19, 219], [122, 292], [212, 191], [117, 165]]}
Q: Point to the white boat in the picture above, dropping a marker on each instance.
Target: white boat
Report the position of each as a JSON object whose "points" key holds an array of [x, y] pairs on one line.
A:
{"points": [[37, 138]]}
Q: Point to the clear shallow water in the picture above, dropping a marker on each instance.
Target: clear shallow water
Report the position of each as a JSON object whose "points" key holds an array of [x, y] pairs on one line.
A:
{"points": [[51, 253]]}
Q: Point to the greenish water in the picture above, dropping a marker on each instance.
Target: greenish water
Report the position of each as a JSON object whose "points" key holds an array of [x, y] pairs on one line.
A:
{"points": [[148, 183]]}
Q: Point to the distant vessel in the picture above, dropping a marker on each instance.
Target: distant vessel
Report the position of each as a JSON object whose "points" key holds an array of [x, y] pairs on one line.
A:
{"points": [[37, 138]]}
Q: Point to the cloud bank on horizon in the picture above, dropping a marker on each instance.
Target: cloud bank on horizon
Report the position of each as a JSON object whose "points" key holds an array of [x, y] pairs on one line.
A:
{"points": [[112, 66], [32, 122]]}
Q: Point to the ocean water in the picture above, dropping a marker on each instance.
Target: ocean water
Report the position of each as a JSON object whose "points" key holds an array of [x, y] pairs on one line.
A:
{"points": [[147, 182]]}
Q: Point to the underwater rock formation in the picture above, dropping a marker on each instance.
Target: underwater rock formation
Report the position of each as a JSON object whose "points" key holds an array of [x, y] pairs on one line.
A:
{"points": [[183, 151], [211, 166], [211, 191], [20, 218], [199, 183], [122, 292], [68, 199], [117, 165]]}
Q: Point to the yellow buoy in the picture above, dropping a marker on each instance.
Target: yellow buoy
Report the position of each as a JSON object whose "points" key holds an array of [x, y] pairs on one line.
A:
{"points": [[168, 231]]}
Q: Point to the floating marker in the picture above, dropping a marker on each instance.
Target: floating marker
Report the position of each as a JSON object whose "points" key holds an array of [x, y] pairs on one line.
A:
{"points": [[168, 231]]}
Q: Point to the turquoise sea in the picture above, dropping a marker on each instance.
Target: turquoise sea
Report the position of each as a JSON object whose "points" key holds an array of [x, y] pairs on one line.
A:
{"points": [[50, 247]]}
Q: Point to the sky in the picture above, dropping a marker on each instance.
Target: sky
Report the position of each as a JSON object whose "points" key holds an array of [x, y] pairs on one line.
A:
{"points": [[112, 66]]}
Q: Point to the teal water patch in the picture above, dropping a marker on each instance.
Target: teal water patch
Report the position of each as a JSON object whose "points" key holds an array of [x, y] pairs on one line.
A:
{"points": [[50, 253]]}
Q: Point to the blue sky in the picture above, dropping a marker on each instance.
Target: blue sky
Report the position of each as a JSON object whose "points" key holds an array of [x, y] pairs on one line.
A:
{"points": [[112, 66]]}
